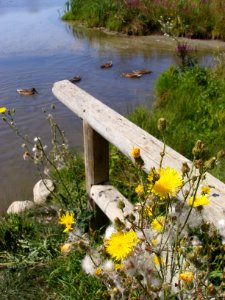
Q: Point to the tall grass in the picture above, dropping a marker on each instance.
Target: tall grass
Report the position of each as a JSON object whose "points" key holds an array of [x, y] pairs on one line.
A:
{"points": [[193, 102], [190, 18]]}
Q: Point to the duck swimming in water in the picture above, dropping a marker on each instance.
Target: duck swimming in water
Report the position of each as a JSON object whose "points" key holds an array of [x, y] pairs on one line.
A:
{"points": [[131, 75], [75, 79], [27, 92], [107, 65], [142, 71]]}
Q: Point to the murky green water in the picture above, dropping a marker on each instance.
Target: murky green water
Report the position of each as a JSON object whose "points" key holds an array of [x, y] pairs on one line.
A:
{"points": [[37, 49]]}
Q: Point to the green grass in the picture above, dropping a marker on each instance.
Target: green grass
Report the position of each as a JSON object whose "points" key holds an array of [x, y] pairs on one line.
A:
{"points": [[193, 102], [58, 278], [32, 266], [188, 18]]}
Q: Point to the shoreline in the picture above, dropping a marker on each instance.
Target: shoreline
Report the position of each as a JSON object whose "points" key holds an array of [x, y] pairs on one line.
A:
{"points": [[164, 41]]}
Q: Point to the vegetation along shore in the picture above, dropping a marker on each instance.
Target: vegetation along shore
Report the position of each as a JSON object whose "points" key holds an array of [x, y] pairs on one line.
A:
{"points": [[192, 19]]}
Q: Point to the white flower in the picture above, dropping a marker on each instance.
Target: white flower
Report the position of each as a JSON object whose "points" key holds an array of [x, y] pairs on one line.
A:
{"points": [[23, 145], [88, 265], [34, 149], [45, 147]]}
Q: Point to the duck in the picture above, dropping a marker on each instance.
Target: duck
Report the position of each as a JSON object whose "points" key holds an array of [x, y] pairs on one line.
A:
{"points": [[75, 79], [131, 75], [27, 92], [107, 65], [142, 71]]}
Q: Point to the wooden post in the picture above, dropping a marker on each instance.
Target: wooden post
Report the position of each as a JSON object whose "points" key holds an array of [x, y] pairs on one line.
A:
{"points": [[96, 156]]}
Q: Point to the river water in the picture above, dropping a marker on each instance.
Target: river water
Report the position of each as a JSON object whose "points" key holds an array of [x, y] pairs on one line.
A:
{"points": [[38, 49]]}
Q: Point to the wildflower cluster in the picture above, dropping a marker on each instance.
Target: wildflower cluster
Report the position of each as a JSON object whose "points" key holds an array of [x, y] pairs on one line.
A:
{"points": [[153, 252]]}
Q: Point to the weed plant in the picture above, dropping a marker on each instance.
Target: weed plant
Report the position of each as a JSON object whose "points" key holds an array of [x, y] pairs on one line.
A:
{"points": [[193, 19]]}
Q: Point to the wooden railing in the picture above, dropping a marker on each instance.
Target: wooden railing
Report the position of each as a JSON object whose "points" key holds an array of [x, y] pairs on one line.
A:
{"points": [[101, 126]]}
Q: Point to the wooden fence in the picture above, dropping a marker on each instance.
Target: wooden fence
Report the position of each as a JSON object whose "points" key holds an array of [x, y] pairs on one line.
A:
{"points": [[101, 126]]}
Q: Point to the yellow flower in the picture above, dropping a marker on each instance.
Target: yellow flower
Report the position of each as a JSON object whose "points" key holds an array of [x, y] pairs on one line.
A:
{"points": [[157, 261], [158, 223], [3, 110], [66, 248], [205, 189], [135, 153], [139, 189], [98, 271], [199, 200], [186, 277], [67, 220], [169, 183], [121, 244]]}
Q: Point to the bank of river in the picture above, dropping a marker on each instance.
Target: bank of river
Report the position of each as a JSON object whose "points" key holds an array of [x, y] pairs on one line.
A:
{"points": [[39, 49]]}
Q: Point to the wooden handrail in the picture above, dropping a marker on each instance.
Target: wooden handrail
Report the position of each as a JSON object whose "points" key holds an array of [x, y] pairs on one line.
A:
{"points": [[102, 125]]}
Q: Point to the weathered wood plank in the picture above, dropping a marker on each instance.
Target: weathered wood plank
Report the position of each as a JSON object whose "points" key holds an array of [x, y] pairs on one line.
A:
{"points": [[96, 157], [107, 197], [125, 135]]}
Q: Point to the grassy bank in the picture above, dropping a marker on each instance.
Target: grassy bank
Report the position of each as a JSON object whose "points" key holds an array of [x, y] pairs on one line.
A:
{"points": [[192, 19], [192, 100]]}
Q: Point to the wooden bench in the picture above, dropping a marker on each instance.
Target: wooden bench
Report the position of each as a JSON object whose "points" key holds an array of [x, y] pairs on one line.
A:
{"points": [[101, 126]]}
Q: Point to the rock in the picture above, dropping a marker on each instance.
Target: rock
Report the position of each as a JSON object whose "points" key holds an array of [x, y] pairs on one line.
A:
{"points": [[42, 190], [19, 206]]}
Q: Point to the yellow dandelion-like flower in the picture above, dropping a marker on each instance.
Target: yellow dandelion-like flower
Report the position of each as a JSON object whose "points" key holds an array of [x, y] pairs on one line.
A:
{"points": [[169, 183], [135, 153], [187, 276], [158, 223], [66, 248], [199, 200], [139, 189], [157, 261], [67, 220], [121, 244], [3, 110], [98, 271], [205, 189]]}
